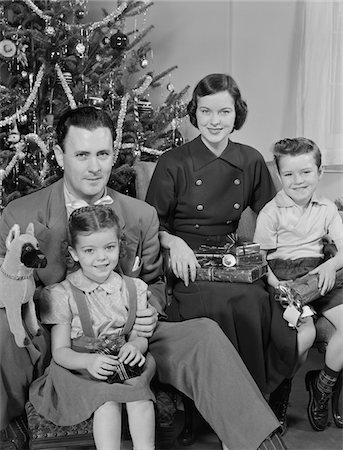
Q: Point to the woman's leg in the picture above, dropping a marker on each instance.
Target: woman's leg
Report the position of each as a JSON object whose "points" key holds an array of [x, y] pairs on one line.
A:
{"points": [[321, 384], [141, 416], [107, 426]]}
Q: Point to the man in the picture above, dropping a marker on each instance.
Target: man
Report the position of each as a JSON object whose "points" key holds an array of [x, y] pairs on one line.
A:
{"points": [[193, 356]]}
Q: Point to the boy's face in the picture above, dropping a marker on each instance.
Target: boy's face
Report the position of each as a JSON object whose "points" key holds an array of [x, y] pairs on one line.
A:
{"points": [[299, 177], [97, 253]]}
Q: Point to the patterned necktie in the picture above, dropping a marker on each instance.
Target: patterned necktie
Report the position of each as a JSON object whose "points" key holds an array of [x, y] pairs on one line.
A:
{"points": [[76, 204]]}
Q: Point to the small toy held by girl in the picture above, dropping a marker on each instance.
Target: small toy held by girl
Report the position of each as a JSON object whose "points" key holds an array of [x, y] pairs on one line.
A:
{"points": [[94, 304], [290, 229]]}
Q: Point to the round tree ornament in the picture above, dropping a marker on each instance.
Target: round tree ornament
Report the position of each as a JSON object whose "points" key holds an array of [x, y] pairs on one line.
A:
{"points": [[8, 48], [119, 41]]}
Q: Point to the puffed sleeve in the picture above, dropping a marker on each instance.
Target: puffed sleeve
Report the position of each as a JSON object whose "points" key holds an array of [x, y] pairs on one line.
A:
{"points": [[161, 192], [263, 186], [266, 230], [54, 305]]}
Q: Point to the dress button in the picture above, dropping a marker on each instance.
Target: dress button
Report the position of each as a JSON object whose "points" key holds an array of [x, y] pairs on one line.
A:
{"points": [[237, 181], [196, 226], [198, 182], [236, 205], [200, 207]]}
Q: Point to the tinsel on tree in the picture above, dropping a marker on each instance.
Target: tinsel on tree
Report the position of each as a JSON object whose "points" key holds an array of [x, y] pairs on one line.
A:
{"points": [[52, 59]]}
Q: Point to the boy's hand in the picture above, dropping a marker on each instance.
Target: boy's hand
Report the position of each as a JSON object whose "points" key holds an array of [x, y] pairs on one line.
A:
{"points": [[101, 366], [129, 354], [146, 321], [326, 276]]}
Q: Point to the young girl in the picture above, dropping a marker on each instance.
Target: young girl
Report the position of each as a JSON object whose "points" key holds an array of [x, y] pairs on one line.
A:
{"points": [[290, 229], [74, 386]]}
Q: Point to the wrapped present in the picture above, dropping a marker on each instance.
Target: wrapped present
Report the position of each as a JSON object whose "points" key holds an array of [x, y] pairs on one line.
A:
{"points": [[246, 248], [243, 274], [228, 259]]}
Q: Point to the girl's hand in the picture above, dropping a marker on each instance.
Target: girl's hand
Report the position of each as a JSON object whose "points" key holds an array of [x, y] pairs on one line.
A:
{"points": [[183, 260], [326, 276], [101, 366], [129, 354]]}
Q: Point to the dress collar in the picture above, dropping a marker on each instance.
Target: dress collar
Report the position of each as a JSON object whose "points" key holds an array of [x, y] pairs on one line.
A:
{"points": [[79, 280], [202, 156]]}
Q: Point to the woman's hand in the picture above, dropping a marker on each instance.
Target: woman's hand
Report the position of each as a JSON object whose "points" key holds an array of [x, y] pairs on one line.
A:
{"points": [[101, 366], [326, 276], [182, 259], [129, 354]]}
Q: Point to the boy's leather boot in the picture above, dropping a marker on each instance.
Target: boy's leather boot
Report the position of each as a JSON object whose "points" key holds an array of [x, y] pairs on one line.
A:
{"points": [[318, 405]]}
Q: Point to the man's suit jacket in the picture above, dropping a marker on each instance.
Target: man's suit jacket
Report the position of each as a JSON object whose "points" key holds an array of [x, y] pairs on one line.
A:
{"points": [[46, 210]]}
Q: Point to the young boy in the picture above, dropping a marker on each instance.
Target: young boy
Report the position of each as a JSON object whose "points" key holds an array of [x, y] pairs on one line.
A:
{"points": [[290, 229]]}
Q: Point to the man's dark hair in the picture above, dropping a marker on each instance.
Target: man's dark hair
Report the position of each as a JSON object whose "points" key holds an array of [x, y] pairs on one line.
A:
{"points": [[87, 117]]}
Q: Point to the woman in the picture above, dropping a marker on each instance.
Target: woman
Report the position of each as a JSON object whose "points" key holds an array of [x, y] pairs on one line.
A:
{"points": [[200, 191]]}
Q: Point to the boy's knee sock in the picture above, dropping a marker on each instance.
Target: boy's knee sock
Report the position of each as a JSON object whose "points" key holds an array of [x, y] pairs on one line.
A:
{"points": [[326, 380]]}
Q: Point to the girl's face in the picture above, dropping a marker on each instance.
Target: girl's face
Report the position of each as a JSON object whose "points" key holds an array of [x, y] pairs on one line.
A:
{"points": [[97, 253], [299, 177], [216, 116]]}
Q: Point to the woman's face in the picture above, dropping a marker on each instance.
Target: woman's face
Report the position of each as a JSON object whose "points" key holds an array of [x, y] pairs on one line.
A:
{"points": [[216, 117]]}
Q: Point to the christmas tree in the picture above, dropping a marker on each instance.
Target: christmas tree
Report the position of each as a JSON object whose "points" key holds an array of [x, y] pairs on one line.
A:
{"points": [[52, 59]]}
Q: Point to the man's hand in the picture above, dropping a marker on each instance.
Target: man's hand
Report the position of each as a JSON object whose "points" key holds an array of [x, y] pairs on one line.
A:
{"points": [[146, 321]]}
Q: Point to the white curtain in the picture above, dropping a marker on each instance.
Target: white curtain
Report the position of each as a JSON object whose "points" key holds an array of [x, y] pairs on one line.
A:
{"points": [[320, 78]]}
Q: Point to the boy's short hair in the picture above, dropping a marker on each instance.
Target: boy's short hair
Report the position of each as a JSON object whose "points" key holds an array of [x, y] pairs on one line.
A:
{"points": [[211, 84], [295, 147]]}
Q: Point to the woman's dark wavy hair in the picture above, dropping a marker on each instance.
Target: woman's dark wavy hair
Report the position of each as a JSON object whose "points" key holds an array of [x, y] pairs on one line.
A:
{"points": [[90, 219], [294, 147], [211, 84], [87, 117]]}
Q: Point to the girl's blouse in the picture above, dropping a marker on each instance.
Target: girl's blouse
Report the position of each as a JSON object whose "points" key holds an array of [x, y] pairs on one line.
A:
{"points": [[108, 303]]}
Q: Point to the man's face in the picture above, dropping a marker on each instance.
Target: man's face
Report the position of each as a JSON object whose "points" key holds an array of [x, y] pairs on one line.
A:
{"points": [[87, 161]]}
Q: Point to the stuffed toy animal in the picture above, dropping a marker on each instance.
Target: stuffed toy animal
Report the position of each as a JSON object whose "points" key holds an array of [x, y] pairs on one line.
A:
{"points": [[17, 283]]}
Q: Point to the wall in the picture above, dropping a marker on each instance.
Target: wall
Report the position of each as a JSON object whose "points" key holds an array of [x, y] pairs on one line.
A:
{"points": [[256, 41]]}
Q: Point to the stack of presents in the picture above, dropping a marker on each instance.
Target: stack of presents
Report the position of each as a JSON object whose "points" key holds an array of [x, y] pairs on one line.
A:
{"points": [[237, 262]]}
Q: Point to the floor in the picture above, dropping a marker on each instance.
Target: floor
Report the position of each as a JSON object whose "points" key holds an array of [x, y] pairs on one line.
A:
{"points": [[300, 435]]}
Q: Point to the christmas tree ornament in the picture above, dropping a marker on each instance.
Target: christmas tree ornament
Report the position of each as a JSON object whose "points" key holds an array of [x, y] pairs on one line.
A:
{"points": [[119, 41], [8, 49], [105, 40], [24, 74], [170, 87], [23, 119], [144, 62], [98, 58], [50, 30], [96, 101], [80, 49], [55, 56], [79, 14]]}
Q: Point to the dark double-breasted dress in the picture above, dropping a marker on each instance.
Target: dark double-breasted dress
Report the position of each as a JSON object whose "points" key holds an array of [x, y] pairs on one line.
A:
{"points": [[200, 198]]}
